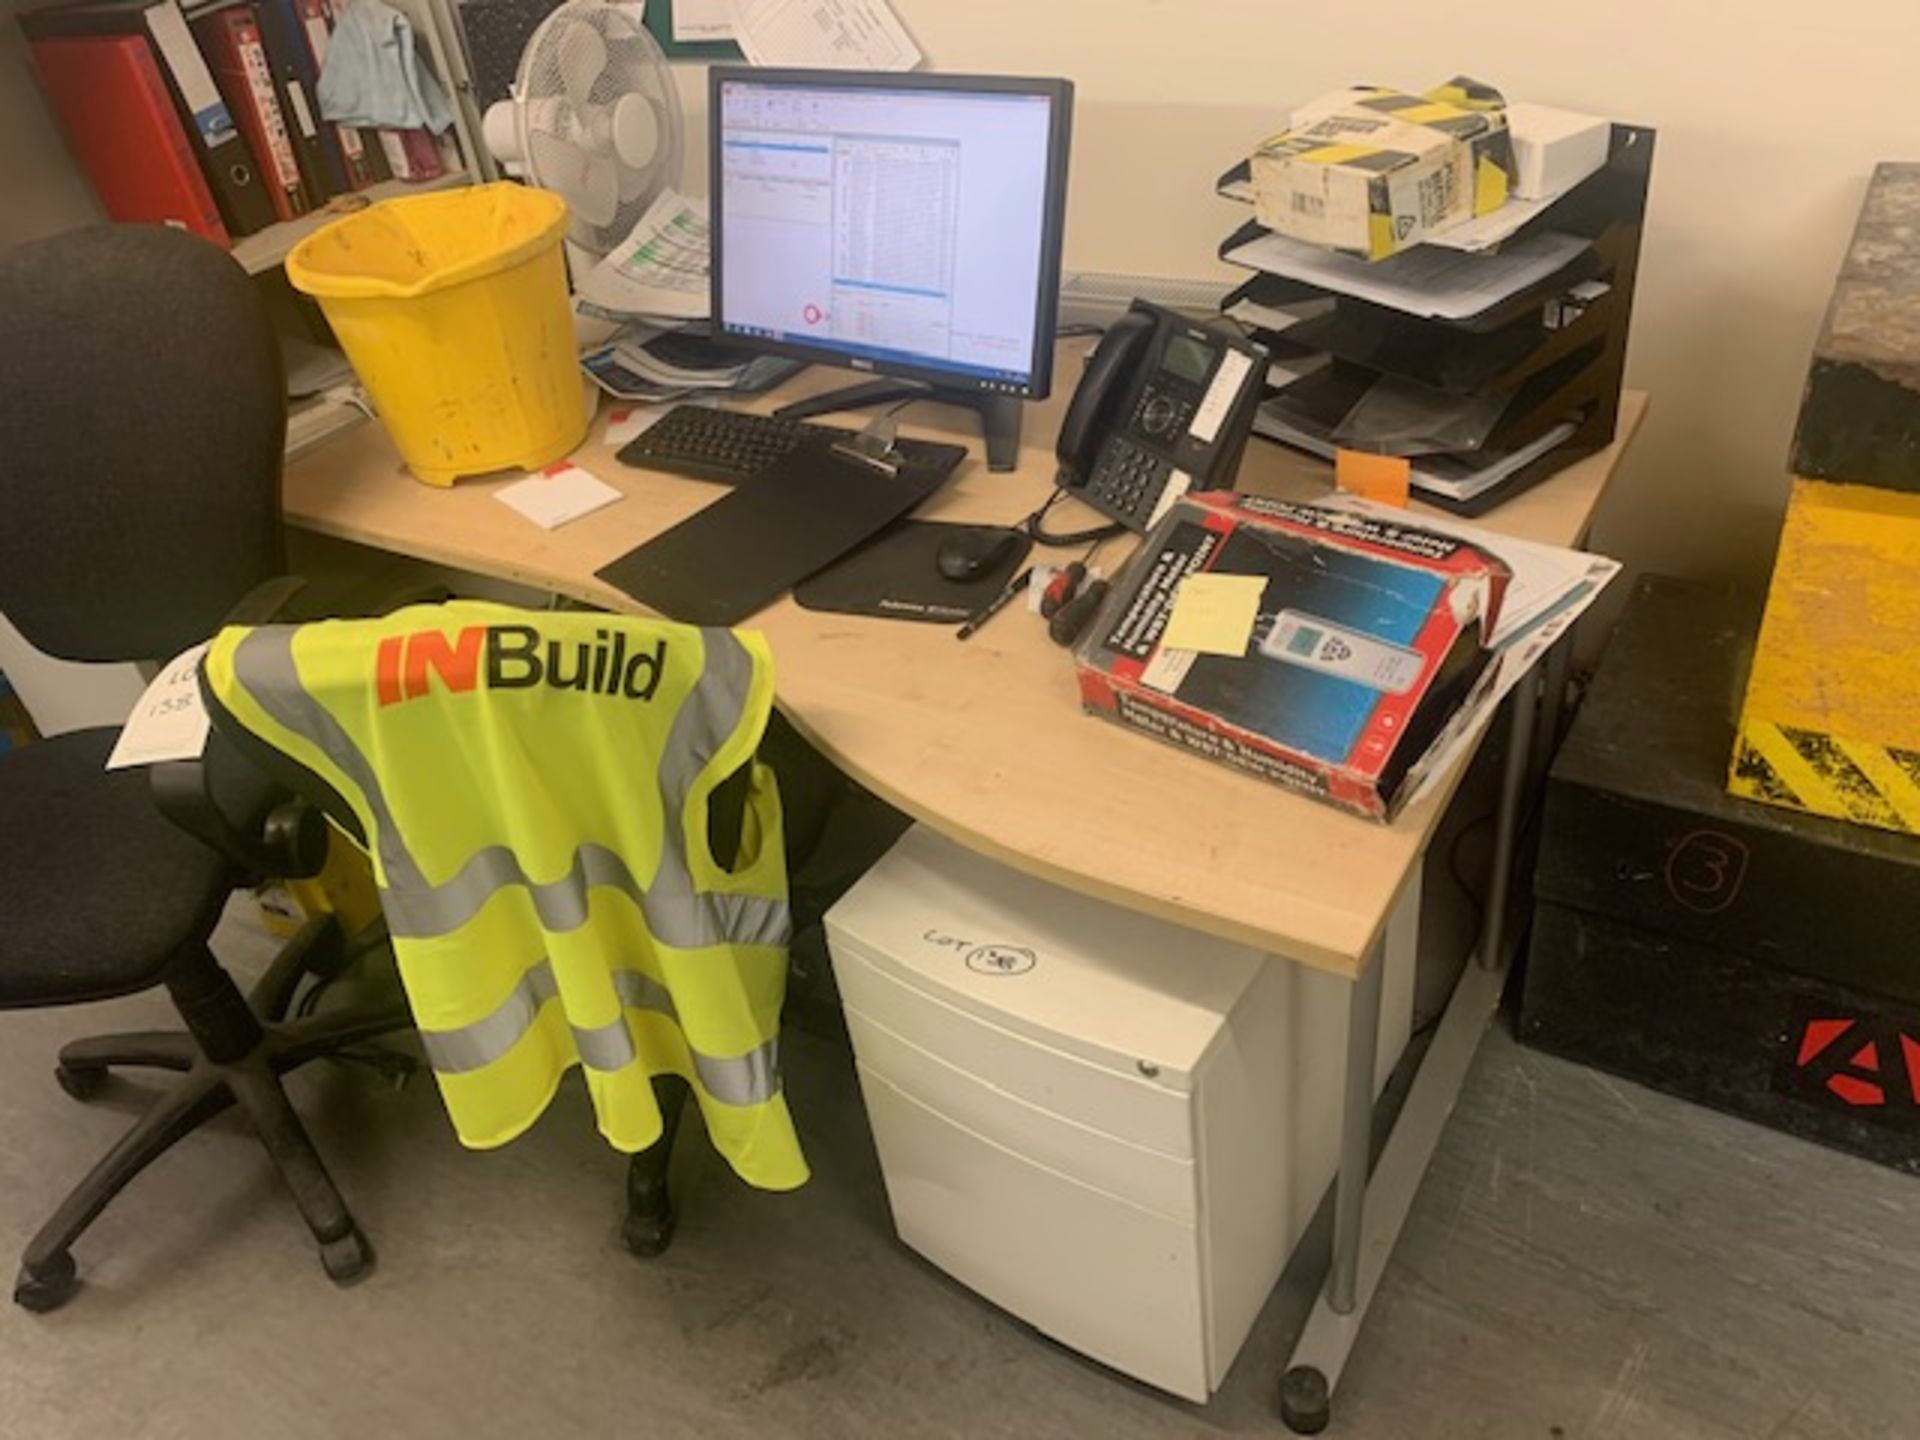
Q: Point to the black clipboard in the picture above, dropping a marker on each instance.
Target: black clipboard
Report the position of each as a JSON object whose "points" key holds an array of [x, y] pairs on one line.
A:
{"points": [[753, 544]]}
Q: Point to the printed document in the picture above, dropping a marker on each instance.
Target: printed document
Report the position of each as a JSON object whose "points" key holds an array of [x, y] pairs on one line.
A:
{"points": [[826, 34]]}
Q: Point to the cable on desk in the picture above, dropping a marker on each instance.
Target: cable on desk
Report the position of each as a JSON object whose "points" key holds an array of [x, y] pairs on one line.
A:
{"points": [[1036, 527]]}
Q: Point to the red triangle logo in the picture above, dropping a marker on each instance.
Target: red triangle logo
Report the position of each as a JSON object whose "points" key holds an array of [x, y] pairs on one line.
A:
{"points": [[1818, 1035]]}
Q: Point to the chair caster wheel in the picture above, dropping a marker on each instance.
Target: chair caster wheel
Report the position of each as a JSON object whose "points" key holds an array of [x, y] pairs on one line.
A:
{"points": [[48, 1287], [649, 1233], [1306, 1405], [82, 1082], [348, 1259]]}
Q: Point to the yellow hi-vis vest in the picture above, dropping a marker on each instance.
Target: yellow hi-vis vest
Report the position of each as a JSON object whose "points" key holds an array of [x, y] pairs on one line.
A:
{"points": [[534, 789]]}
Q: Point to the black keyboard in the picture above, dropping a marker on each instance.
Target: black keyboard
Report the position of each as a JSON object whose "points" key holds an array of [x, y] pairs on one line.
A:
{"points": [[731, 446]]}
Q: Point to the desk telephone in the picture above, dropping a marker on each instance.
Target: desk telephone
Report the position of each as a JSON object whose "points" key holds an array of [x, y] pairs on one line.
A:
{"points": [[1164, 407]]}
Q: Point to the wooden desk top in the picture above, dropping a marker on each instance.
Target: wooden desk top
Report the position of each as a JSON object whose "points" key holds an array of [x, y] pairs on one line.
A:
{"points": [[984, 741]]}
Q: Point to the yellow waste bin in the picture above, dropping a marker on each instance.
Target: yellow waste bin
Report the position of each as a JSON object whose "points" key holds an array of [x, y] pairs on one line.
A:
{"points": [[452, 307]]}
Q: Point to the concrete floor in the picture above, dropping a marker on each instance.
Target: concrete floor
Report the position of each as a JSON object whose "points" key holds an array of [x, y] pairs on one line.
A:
{"points": [[1586, 1259]]}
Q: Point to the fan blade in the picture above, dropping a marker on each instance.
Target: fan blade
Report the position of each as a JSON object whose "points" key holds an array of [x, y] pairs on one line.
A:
{"points": [[589, 183], [636, 140], [582, 55]]}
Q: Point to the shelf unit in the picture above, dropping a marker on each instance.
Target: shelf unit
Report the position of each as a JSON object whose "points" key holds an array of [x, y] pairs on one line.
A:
{"points": [[267, 248], [311, 421]]}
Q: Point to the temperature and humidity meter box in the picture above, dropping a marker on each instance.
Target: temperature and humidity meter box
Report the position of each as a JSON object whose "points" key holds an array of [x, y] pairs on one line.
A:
{"points": [[1367, 640]]}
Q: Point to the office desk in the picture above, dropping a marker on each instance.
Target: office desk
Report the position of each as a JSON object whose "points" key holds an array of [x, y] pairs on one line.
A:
{"points": [[985, 742]]}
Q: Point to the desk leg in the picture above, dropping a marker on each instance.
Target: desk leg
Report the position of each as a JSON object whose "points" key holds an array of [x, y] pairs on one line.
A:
{"points": [[1369, 1215], [1556, 668], [1356, 1131], [1506, 831]]}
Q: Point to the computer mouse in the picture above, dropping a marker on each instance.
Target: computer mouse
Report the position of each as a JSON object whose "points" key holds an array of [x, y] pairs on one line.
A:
{"points": [[969, 554]]}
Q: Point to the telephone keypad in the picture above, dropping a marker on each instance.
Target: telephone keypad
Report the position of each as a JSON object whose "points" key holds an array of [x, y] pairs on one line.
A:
{"points": [[1126, 482]]}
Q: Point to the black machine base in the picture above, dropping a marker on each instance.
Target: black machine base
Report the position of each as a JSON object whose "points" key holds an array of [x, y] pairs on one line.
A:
{"points": [[999, 414], [234, 1052]]}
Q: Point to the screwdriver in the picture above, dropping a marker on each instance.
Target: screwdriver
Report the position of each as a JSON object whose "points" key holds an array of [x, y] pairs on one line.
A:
{"points": [[1062, 588], [1071, 618]]}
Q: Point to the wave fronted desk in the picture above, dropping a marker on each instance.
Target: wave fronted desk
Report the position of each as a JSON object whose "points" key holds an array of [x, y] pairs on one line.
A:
{"points": [[984, 741]]}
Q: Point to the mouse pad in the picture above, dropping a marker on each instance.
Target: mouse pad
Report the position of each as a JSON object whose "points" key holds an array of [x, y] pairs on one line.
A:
{"points": [[740, 553], [896, 574]]}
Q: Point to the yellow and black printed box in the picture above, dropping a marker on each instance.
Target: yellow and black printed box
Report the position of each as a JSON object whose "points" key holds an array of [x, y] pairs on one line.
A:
{"points": [[1372, 171], [1831, 719]]}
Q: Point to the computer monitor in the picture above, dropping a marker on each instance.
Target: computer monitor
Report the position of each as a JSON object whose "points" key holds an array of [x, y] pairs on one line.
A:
{"points": [[909, 225]]}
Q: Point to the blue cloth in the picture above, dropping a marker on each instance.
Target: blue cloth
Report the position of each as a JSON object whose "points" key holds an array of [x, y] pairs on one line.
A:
{"points": [[375, 75]]}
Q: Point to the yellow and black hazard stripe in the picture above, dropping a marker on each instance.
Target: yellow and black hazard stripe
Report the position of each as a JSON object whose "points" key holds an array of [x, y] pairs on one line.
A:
{"points": [[1468, 93], [1856, 780], [1435, 114]]}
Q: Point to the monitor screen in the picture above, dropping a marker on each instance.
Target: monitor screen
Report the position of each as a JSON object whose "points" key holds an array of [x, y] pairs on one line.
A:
{"points": [[908, 225]]}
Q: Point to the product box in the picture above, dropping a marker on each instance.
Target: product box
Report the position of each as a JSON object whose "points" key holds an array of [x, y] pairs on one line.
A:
{"points": [[1366, 644], [1371, 171]]}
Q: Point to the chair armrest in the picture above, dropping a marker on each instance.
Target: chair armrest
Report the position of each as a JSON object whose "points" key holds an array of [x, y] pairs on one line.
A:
{"points": [[267, 601], [291, 845], [292, 841]]}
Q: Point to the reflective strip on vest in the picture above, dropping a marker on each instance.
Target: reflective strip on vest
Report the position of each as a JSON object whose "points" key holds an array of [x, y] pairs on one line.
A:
{"points": [[748, 1079], [676, 912]]}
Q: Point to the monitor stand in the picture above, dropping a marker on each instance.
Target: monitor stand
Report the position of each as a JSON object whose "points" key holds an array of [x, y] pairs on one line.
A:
{"points": [[999, 414]]}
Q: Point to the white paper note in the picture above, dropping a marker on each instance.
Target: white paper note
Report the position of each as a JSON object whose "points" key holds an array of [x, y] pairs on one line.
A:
{"points": [[661, 267], [696, 21], [828, 34], [170, 721], [558, 494]]}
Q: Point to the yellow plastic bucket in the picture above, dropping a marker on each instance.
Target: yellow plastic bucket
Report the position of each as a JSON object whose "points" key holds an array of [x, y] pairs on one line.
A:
{"points": [[452, 308]]}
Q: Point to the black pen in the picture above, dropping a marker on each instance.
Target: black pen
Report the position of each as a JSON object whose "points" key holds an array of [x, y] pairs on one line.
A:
{"points": [[994, 606]]}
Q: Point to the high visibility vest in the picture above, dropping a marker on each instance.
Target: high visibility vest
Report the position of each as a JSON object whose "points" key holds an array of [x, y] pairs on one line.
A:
{"points": [[534, 788]]}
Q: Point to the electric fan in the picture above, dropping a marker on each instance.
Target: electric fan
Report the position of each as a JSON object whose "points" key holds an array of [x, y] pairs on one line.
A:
{"points": [[594, 117]]}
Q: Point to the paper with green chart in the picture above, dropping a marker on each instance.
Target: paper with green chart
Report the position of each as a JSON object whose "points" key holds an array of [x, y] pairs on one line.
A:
{"points": [[659, 271]]}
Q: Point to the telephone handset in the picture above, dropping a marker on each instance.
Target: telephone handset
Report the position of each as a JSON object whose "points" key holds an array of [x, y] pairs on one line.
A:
{"points": [[1164, 407]]}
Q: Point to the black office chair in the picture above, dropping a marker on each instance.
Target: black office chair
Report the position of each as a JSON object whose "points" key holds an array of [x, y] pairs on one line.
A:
{"points": [[141, 435]]}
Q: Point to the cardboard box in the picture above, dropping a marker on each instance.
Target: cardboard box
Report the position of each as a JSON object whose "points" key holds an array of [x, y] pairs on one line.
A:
{"points": [[1371, 171], [1831, 719], [1366, 645]]}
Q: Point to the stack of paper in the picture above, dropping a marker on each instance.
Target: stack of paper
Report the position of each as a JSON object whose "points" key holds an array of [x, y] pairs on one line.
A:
{"points": [[652, 363], [1550, 589], [652, 288], [1426, 280], [1456, 477]]}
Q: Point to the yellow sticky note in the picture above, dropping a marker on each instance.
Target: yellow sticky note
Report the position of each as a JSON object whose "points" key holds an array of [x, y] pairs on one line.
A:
{"points": [[1386, 478], [1214, 614]]}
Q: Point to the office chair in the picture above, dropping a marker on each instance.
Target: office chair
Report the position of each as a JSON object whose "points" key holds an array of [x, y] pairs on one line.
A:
{"points": [[140, 452]]}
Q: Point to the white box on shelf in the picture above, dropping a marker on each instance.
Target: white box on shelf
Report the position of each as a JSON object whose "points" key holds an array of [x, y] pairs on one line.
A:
{"points": [[1554, 149], [1113, 1127]]}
